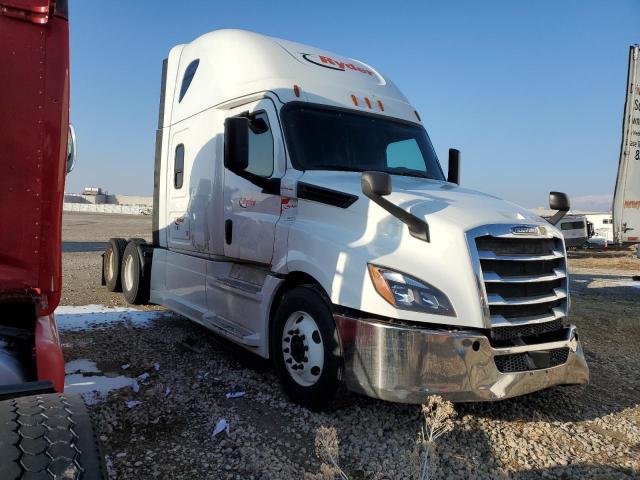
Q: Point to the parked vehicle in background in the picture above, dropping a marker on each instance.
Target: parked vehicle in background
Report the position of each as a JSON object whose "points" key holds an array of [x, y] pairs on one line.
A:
{"points": [[43, 434], [300, 211], [596, 242], [602, 225], [575, 230], [626, 200]]}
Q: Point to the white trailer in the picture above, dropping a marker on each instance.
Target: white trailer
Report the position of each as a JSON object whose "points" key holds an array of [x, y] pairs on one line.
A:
{"points": [[626, 199], [602, 225], [301, 212]]}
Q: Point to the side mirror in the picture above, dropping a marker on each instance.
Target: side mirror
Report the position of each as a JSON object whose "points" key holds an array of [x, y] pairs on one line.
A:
{"points": [[71, 149], [376, 183], [558, 201], [454, 166], [236, 143]]}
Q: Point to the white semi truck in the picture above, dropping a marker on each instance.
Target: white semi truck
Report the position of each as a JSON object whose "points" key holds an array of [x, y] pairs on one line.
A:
{"points": [[300, 211]]}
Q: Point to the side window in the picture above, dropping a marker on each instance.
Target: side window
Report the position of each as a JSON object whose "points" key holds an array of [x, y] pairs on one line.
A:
{"points": [[260, 146], [188, 77], [178, 167], [405, 153]]}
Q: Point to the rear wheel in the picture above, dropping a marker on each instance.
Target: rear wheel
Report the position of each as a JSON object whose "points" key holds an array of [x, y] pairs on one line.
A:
{"points": [[48, 436], [112, 260], [135, 285], [305, 348]]}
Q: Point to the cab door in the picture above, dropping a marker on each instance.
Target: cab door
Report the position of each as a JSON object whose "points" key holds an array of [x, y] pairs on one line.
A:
{"points": [[251, 211]]}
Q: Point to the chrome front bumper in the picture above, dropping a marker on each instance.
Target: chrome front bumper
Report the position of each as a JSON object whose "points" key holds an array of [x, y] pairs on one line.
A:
{"points": [[405, 364]]}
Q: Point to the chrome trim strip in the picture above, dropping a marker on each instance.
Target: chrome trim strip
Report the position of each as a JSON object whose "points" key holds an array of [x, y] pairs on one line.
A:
{"points": [[492, 277], [487, 255], [558, 294], [500, 321]]}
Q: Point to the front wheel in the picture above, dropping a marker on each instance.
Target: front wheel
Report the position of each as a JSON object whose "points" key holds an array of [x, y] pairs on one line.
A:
{"points": [[305, 347]]}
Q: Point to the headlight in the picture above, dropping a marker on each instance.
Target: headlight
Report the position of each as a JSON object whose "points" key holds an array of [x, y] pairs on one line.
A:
{"points": [[408, 293]]}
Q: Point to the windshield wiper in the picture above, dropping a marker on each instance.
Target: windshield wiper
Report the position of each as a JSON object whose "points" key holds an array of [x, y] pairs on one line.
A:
{"points": [[339, 168], [407, 172]]}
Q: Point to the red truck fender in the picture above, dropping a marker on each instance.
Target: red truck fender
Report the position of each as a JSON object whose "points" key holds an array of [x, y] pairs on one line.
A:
{"points": [[49, 358]]}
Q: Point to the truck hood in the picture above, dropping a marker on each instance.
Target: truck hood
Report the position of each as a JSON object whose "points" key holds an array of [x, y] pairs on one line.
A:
{"points": [[432, 200], [334, 245]]}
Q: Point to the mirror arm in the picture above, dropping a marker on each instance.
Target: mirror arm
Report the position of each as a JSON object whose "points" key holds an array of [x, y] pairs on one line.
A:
{"points": [[269, 185], [559, 215], [417, 227]]}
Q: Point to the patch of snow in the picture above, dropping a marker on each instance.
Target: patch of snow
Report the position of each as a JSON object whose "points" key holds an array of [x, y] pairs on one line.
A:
{"points": [[92, 387], [235, 394], [81, 365], [221, 426], [133, 403], [125, 366], [156, 366], [78, 383], [84, 317], [143, 377]]}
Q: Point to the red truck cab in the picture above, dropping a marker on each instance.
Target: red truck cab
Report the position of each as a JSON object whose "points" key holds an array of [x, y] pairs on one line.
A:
{"points": [[37, 151]]}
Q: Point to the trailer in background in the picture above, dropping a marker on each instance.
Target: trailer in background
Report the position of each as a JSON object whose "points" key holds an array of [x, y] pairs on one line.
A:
{"points": [[626, 200], [602, 225]]}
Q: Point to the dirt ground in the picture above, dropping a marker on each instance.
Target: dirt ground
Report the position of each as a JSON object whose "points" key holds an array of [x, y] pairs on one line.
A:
{"points": [[588, 431]]}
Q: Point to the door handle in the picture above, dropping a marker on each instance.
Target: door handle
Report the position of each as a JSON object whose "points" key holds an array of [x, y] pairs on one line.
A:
{"points": [[228, 231]]}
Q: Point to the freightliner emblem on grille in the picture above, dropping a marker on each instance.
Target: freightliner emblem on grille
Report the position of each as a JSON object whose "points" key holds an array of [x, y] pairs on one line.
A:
{"points": [[525, 230]]}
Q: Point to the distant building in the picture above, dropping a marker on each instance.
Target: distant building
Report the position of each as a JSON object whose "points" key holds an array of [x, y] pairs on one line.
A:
{"points": [[95, 199]]}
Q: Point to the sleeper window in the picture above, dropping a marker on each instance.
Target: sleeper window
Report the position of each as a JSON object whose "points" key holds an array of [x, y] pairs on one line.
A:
{"points": [[261, 148], [178, 167], [188, 77]]}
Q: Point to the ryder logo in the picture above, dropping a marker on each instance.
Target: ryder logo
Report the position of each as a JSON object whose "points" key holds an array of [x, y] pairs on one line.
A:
{"points": [[334, 64]]}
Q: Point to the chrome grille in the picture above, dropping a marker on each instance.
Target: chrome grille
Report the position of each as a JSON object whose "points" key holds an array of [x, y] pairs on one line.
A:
{"points": [[522, 362], [524, 281]]}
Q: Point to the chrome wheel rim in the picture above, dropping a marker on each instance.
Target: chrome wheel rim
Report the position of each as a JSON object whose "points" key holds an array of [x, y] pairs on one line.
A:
{"points": [[302, 348], [110, 264], [128, 272]]}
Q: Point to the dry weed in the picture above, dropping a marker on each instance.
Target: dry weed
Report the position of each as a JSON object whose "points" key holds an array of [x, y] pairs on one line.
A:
{"points": [[437, 415]]}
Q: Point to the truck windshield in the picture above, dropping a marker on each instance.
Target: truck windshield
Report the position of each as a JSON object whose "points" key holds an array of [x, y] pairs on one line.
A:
{"points": [[322, 138]]}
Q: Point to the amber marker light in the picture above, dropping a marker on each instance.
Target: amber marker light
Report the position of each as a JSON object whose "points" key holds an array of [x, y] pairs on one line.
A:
{"points": [[296, 90], [354, 100], [381, 285], [367, 101], [380, 105]]}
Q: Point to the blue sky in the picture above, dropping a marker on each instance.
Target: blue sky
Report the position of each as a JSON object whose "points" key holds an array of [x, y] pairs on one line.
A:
{"points": [[531, 92]]}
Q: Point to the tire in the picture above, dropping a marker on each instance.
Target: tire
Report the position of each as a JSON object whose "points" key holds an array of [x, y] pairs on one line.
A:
{"points": [[135, 285], [305, 347], [137, 240], [48, 436], [111, 262]]}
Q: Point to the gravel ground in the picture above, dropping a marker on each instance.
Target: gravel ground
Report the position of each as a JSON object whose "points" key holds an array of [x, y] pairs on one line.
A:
{"points": [[568, 432]]}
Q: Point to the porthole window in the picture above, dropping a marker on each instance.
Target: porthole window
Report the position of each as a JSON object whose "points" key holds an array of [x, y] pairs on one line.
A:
{"points": [[188, 77]]}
